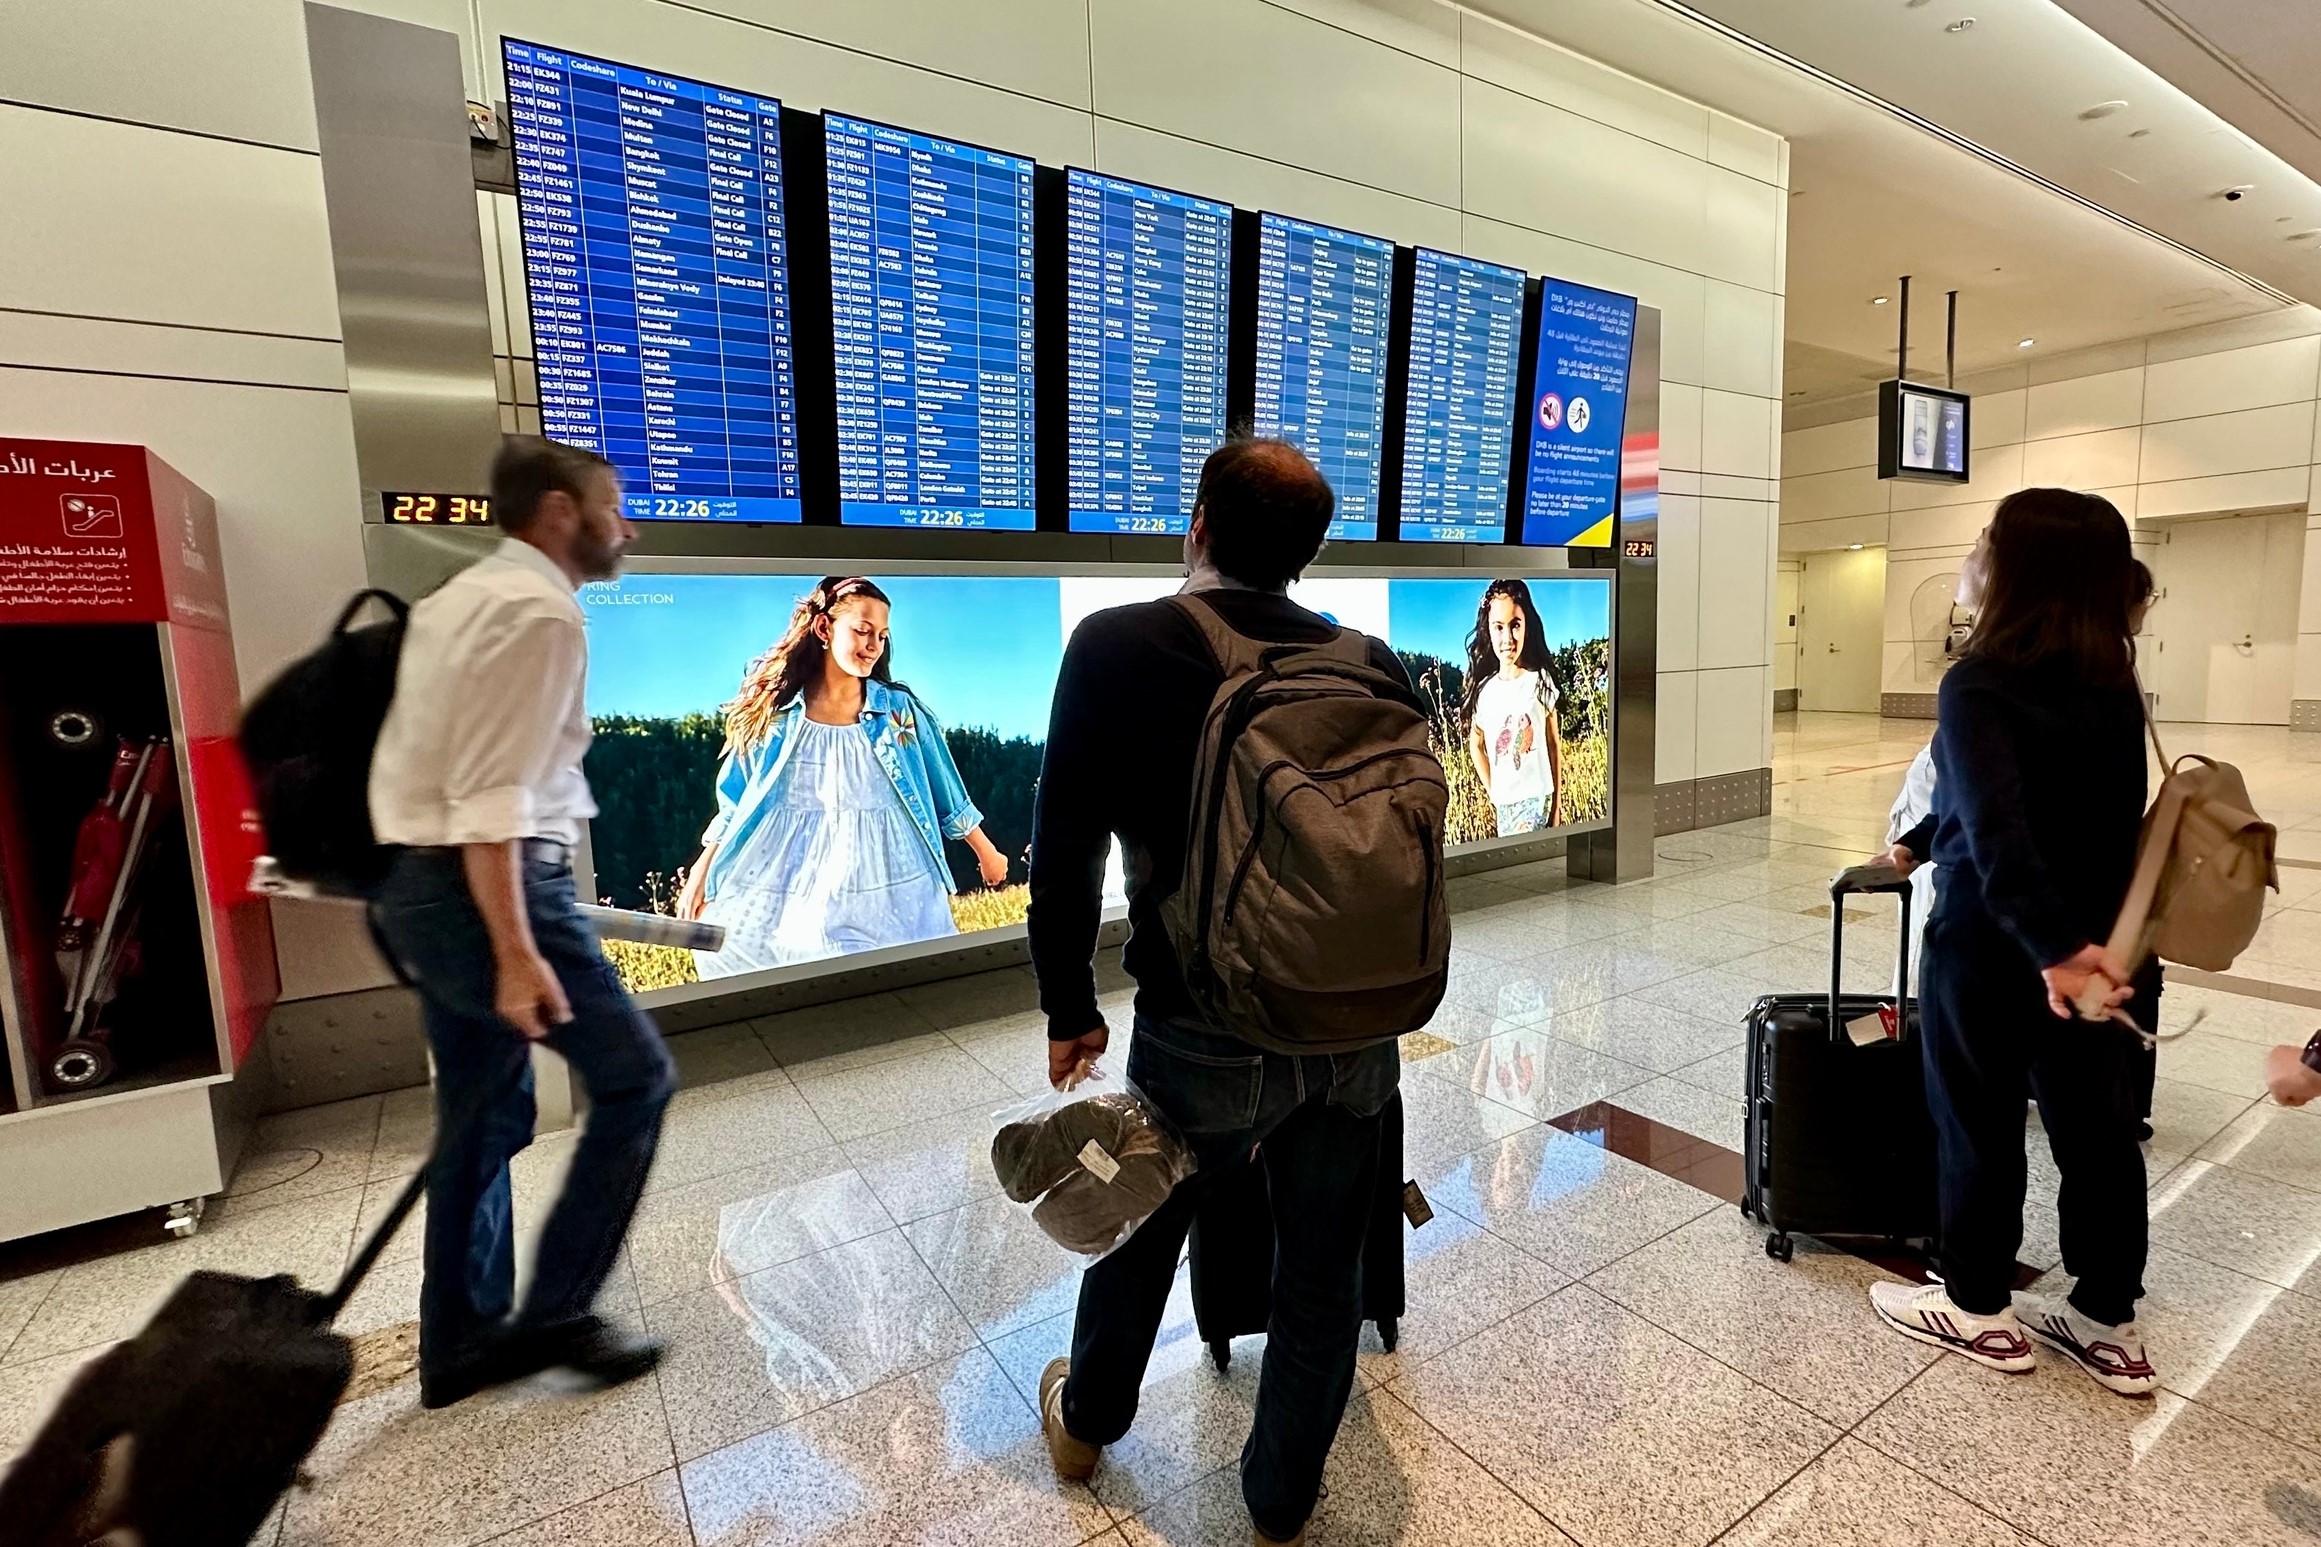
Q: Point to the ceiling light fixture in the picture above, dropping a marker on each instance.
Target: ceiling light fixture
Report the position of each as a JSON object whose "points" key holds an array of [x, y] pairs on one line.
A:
{"points": [[1877, 300], [1963, 24], [2311, 233], [2025, 343], [2236, 192], [2101, 110], [1912, 5], [1854, 547], [2137, 134]]}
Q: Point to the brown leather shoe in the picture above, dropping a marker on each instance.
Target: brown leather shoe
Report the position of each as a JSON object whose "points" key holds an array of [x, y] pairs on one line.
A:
{"points": [[1075, 1459]]}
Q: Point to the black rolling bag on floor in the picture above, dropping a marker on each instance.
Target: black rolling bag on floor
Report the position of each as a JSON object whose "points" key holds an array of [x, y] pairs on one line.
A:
{"points": [[1839, 1142], [187, 1433], [1232, 1250]]}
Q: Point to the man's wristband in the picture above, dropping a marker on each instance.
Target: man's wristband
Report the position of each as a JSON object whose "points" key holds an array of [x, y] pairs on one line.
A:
{"points": [[2312, 1053]]}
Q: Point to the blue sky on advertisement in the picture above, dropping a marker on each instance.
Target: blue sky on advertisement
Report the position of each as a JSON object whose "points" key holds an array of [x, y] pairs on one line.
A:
{"points": [[978, 650]]}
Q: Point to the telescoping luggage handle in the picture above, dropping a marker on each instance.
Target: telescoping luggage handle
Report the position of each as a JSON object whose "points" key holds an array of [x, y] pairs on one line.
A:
{"points": [[1853, 881]]}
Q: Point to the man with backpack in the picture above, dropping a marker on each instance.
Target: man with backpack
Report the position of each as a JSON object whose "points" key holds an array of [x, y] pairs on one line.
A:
{"points": [[1280, 939], [477, 786]]}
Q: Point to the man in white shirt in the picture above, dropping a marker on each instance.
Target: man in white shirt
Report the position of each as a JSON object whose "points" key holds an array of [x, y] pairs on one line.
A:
{"points": [[477, 780]]}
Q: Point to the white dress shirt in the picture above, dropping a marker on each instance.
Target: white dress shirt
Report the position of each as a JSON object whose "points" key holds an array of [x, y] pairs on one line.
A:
{"points": [[484, 740]]}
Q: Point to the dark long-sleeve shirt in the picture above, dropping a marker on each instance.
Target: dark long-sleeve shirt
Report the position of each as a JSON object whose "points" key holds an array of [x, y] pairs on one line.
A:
{"points": [[1131, 697], [2038, 796]]}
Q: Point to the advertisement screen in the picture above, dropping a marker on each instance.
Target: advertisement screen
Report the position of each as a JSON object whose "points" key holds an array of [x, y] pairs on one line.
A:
{"points": [[822, 840], [655, 258], [931, 329], [1147, 291], [1325, 308], [1579, 406], [1933, 433]]}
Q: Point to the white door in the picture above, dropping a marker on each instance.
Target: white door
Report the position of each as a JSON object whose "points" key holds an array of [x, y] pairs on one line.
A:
{"points": [[1785, 601], [1841, 630], [2219, 645]]}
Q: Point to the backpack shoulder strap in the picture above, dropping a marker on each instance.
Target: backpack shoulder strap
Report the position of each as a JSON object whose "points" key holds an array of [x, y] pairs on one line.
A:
{"points": [[2134, 925], [1234, 652]]}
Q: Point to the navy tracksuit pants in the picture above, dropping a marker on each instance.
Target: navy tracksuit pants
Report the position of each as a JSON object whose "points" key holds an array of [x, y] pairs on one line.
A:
{"points": [[1990, 1044]]}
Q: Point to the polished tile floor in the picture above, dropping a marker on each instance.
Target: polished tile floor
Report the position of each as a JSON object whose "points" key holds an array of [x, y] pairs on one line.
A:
{"points": [[1595, 1352]]}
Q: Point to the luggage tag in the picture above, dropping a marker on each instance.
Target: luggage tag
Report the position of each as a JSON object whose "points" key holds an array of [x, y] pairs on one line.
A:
{"points": [[1100, 1164], [1415, 1208], [1880, 1025]]}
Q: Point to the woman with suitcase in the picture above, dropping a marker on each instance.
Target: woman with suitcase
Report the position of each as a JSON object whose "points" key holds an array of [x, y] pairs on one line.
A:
{"points": [[2040, 791]]}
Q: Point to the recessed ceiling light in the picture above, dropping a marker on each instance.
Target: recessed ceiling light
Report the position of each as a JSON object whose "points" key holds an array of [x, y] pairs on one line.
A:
{"points": [[2236, 192], [2025, 343], [2102, 110], [1853, 547], [1877, 300], [2312, 233], [1912, 5], [2137, 134], [1963, 24]]}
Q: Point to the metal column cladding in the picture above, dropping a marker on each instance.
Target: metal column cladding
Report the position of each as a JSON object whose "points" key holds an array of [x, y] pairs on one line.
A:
{"points": [[399, 189], [1625, 852]]}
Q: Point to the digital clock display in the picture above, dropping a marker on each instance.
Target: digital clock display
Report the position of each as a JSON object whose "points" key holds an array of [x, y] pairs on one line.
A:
{"points": [[438, 509]]}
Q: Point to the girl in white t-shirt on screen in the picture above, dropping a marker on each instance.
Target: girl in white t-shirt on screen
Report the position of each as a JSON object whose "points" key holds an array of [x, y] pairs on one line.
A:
{"points": [[1509, 707]]}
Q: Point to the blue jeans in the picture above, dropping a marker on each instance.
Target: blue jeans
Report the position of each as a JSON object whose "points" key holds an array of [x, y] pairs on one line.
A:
{"points": [[1314, 1123], [428, 919]]}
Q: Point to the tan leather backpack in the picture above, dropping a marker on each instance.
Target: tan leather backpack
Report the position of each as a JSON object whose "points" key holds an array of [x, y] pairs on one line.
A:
{"points": [[2203, 863]]}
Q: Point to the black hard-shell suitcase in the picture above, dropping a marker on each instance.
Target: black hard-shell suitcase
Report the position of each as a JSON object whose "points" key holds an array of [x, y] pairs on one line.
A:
{"points": [[187, 1433], [1839, 1141], [1231, 1246]]}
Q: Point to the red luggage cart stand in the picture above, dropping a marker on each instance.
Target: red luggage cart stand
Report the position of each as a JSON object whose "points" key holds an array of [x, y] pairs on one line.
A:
{"points": [[136, 968]]}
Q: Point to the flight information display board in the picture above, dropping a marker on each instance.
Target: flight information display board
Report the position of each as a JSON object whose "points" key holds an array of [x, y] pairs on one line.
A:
{"points": [[656, 261], [931, 326], [1324, 312], [1458, 437], [1146, 300], [1579, 412]]}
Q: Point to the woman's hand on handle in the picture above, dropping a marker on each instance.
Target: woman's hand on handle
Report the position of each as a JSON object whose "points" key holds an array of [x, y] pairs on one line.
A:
{"points": [[2073, 981]]}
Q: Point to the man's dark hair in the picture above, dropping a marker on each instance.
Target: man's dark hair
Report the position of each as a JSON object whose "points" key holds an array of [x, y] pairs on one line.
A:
{"points": [[1265, 510], [529, 469]]}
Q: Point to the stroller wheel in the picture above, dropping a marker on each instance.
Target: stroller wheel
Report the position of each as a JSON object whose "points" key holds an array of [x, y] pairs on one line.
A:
{"points": [[79, 1064]]}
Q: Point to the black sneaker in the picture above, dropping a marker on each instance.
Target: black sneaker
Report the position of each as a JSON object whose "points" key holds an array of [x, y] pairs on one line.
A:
{"points": [[591, 1348], [477, 1369]]}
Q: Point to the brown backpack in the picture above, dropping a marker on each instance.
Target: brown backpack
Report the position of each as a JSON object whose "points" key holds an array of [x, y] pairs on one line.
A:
{"points": [[2203, 862], [1312, 916]]}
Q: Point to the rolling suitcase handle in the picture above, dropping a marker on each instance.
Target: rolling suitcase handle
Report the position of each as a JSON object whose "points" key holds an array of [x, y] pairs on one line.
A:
{"points": [[1863, 880], [408, 1199]]}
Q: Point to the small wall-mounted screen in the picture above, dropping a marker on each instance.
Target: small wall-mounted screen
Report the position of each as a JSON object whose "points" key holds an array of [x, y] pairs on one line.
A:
{"points": [[656, 261], [1578, 411], [1458, 438], [1324, 313], [931, 327], [1147, 290]]}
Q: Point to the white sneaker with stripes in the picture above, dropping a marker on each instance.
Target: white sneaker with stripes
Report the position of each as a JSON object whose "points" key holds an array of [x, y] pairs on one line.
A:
{"points": [[1925, 1312], [2114, 1356]]}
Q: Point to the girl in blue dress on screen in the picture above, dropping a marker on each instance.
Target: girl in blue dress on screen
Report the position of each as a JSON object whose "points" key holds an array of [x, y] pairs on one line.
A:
{"points": [[833, 802]]}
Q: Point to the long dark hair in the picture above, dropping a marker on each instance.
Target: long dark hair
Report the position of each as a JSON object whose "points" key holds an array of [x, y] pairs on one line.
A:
{"points": [[1482, 660], [2059, 586], [777, 677]]}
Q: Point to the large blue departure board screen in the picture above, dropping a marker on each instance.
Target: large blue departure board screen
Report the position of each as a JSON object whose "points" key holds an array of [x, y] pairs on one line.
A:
{"points": [[1146, 282], [655, 257], [1579, 413], [931, 328], [1324, 310], [1458, 437]]}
